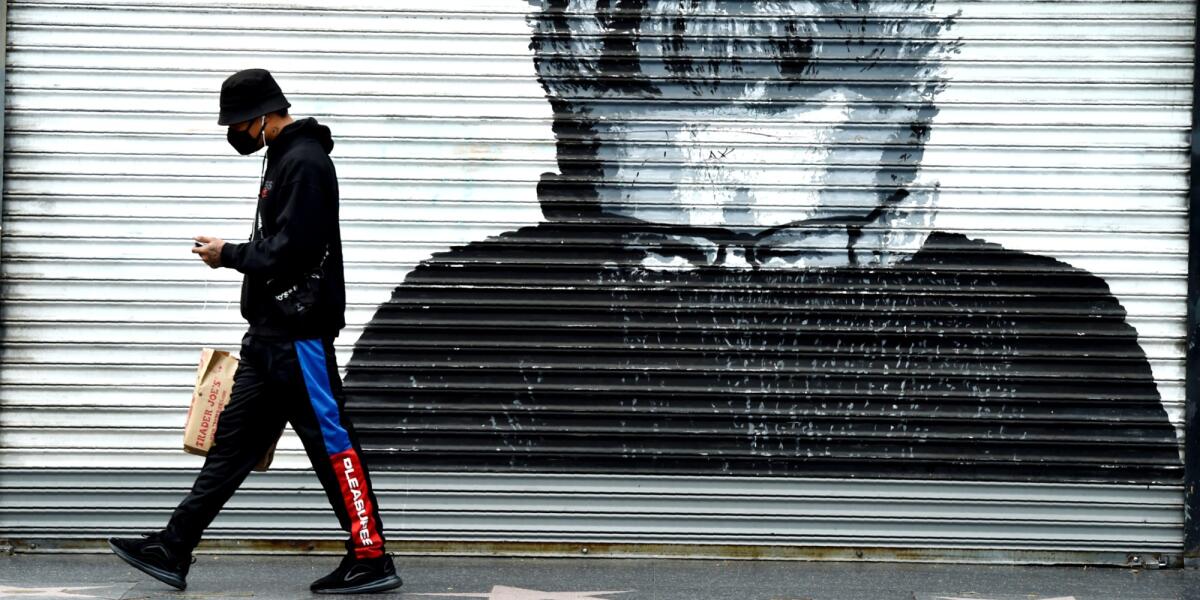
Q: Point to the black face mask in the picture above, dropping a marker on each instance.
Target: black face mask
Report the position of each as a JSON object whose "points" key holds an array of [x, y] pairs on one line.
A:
{"points": [[245, 143]]}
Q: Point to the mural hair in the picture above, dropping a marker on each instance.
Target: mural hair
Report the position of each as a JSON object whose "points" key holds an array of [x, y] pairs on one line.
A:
{"points": [[617, 48]]}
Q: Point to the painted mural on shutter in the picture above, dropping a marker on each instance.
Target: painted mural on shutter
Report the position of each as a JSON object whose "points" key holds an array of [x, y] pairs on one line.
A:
{"points": [[740, 272], [881, 274]]}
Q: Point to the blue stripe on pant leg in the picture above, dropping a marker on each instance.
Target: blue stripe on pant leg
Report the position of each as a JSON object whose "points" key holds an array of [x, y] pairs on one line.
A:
{"points": [[320, 393]]}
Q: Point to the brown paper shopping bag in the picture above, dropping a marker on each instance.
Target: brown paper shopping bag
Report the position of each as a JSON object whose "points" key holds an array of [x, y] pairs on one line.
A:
{"points": [[214, 382]]}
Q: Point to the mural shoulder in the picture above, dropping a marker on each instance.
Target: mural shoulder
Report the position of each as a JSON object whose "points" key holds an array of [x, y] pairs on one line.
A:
{"points": [[957, 250], [1066, 302], [1038, 283]]}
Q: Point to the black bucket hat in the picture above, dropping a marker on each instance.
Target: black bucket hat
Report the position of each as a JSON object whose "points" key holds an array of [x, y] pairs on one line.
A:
{"points": [[249, 94]]}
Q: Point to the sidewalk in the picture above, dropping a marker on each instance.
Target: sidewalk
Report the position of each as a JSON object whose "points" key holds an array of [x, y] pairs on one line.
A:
{"points": [[434, 578]]}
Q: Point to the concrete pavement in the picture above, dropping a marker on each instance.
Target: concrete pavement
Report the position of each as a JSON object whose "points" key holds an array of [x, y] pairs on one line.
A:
{"points": [[449, 578]]}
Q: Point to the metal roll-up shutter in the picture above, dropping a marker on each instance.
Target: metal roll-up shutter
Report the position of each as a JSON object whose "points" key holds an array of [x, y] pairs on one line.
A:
{"points": [[869, 277]]}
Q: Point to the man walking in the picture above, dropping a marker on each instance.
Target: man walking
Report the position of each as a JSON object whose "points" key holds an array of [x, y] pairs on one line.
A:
{"points": [[293, 296]]}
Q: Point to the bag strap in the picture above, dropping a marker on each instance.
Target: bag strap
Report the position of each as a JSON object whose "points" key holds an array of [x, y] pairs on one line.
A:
{"points": [[262, 180], [320, 270]]}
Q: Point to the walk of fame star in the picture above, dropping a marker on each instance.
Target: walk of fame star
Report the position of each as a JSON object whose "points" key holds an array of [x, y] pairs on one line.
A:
{"points": [[503, 592], [7, 591], [979, 598]]}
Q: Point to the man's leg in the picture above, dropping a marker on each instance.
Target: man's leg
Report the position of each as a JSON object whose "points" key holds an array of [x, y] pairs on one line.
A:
{"points": [[317, 416], [247, 427]]}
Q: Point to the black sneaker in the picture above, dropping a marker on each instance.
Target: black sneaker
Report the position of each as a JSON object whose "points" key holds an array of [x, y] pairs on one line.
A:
{"points": [[359, 576], [154, 557]]}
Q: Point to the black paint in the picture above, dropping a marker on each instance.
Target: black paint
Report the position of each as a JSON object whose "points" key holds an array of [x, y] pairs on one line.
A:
{"points": [[969, 362]]}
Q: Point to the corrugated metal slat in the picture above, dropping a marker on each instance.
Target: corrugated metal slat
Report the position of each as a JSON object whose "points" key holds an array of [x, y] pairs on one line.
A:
{"points": [[1028, 369]]}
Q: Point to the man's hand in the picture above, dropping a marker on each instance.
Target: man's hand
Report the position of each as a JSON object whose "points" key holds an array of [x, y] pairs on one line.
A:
{"points": [[209, 250]]}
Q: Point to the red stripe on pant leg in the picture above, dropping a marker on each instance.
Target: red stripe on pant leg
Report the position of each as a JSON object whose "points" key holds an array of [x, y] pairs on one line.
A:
{"points": [[363, 528]]}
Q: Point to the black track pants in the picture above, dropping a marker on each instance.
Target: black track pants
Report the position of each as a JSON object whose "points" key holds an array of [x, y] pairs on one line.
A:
{"points": [[277, 382]]}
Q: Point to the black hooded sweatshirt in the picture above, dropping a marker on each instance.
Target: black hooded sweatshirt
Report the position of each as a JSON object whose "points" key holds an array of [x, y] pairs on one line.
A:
{"points": [[298, 206]]}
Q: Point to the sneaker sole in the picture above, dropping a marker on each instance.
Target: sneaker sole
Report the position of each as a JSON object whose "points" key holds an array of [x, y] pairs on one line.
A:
{"points": [[390, 582], [168, 578]]}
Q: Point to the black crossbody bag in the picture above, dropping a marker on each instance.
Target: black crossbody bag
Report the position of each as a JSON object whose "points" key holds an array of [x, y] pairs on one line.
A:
{"points": [[295, 298]]}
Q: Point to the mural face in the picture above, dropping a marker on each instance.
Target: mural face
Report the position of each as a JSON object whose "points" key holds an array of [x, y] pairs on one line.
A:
{"points": [[739, 274], [790, 127]]}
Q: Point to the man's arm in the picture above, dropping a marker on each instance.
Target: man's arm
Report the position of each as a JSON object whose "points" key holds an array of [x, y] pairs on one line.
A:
{"points": [[300, 233]]}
